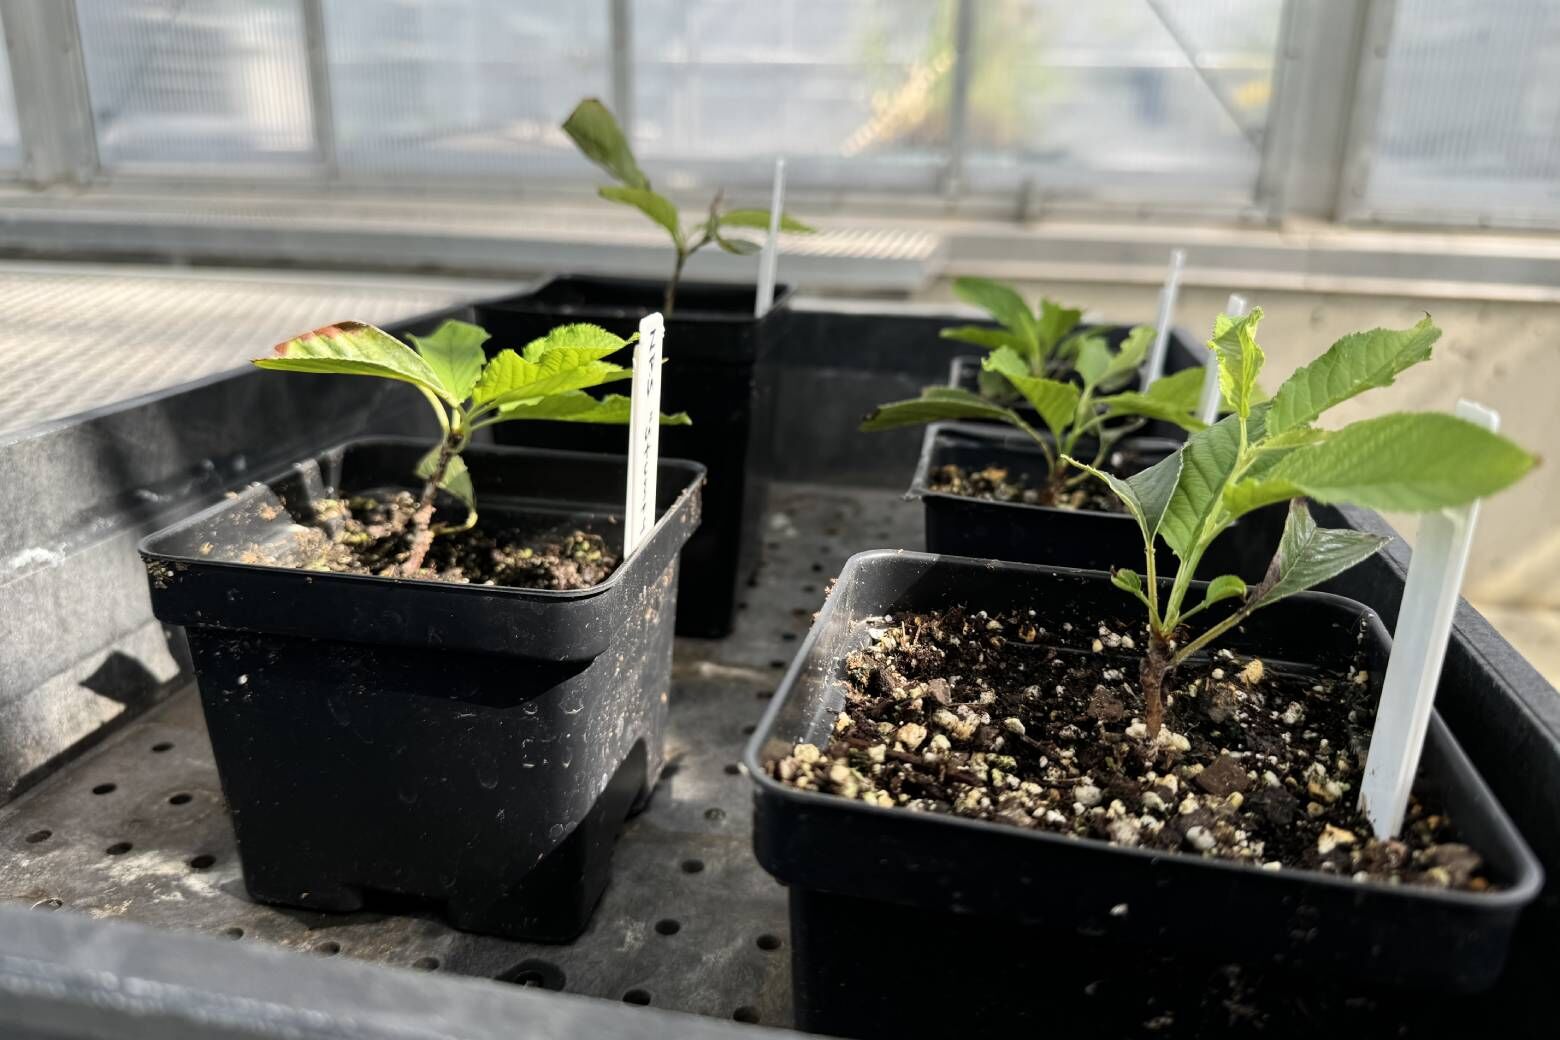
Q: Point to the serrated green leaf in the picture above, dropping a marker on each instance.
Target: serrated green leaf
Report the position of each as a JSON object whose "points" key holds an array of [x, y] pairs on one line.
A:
{"points": [[578, 406], [759, 218], [1146, 494], [737, 246], [1358, 362], [454, 352], [1172, 399], [457, 479], [1308, 555], [597, 134], [1240, 359], [657, 207], [1007, 307], [1208, 459], [586, 340], [1055, 401], [1055, 323], [1250, 493], [936, 404], [510, 379], [1129, 358], [1093, 360], [982, 336], [1407, 462], [1129, 581], [352, 348]]}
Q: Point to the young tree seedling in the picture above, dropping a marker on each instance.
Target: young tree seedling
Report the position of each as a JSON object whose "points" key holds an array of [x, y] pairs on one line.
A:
{"points": [[468, 391], [594, 130], [1046, 341], [1270, 451], [1070, 412]]}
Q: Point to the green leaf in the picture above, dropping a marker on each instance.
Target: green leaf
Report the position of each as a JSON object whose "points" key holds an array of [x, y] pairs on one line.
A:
{"points": [[454, 352], [737, 246], [1057, 402], [1146, 494], [1127, 360], [351, 348], [657, 207], [578, 406], [1006, 306], [599, 137], [759, 218], [1172, 399], [1240, 359], [457, 479], [982, 336], [1308, 555], [1055, 322], [1407, 462], [1208, 459], [1128, 581], [585, 339], [1225, 586], [1358, 362], [936, 403], [565, 359], [1093, 361]]}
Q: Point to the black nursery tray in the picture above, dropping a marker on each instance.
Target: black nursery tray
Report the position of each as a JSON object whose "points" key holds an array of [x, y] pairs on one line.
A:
{"points": [[135, 830]]}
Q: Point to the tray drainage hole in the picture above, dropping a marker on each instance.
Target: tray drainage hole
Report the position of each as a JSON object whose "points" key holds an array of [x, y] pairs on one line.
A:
{"points": [[205, 860], [36, 836], [768, 942], [763, 695], [692, 866], [732, 769], [233, 932], [668, 926], [328, 949], [637, 996], [747, 731], [745, 1014], [777, 664], [788, 637], [535, 973], [714, 815], [118, 848], [48, 904], [105, 788], [426, 964], [161, 746], [181, 799]]}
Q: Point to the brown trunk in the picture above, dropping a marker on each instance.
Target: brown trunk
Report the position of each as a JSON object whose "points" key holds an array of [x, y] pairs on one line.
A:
{"points": [[1152, 677], [422, 516]]}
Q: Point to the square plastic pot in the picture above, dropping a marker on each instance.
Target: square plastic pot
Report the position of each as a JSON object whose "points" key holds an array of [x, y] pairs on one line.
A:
{"points": [[471, 747], [917, 924], [957, 525], [714, 346]]}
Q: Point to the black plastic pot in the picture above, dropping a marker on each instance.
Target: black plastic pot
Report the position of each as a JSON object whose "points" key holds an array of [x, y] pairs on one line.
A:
{"points": [[470, 746], [714, 346], [957, 525], [913, 924]]}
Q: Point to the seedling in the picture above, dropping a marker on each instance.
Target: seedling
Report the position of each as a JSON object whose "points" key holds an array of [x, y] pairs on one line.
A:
{"points": [[1047, 341], [1070, 412], [597, 134], [468, 391], [1268, 452]]}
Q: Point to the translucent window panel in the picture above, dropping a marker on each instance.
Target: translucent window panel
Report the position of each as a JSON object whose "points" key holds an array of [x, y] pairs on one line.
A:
{"points": [[465, 86], [197, 82], [1469, 119], [851, 92], [1103, 98], [10, 138]]}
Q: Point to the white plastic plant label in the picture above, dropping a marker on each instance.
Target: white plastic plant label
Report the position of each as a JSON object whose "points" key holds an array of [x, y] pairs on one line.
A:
{"points": [[1154, 367], [1435, 576], [769, 259], [644, 433]]}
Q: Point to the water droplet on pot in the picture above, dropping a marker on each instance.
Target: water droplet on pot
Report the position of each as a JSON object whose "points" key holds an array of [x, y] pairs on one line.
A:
{"points": [[567, 757], [338, 711], [575, 708], [530, 708], [555, 831], [406, 796]]}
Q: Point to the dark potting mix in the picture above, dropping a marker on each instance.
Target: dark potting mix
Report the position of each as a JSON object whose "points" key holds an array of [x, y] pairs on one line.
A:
{"points": [[995, 718]]}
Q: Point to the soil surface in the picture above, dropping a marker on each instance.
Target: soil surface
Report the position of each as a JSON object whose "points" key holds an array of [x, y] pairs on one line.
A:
{"points": [[997, 483], [370, 535], [996, 719]]}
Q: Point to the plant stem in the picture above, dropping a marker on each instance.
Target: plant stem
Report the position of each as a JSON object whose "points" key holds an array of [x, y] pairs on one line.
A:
{"points": [[1151, 675], [422, 516], [671, 286]]}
